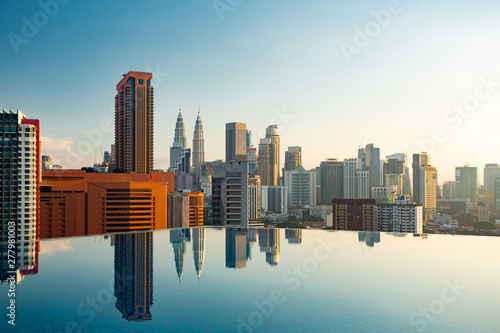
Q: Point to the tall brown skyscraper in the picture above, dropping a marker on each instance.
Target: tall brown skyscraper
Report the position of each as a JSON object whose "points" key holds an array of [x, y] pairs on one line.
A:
{"points": [[269, 157], [134, 123]]}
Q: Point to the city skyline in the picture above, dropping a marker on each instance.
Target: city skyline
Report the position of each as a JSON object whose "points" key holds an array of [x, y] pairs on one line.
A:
{"points": [[301, 77]]}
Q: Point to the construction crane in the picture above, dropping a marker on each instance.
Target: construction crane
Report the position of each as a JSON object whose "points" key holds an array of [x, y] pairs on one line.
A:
{"points": [[466, 164]]}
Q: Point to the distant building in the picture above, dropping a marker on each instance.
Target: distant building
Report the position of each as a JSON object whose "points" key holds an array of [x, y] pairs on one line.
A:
{"points": [[268, 159], [275, 199], [293, 158], [363, 184], [424, 184], [350, 186], [252, 160], [198, 145], [332, 178], [180, 131], [301, 187], [354, 214], [466, 183], [449, 190], [254, 198], [236, 142], [230, 194], [386, 194], [175, 151], [401, 216], [453, 207], [46, 162], [491, 172], [396, 164]]}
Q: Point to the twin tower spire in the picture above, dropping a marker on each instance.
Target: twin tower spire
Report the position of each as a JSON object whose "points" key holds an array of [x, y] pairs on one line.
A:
{"points": [[180, 139]]}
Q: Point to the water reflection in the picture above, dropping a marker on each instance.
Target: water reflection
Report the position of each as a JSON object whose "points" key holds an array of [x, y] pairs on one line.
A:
{"points": [[134, 275], [369, 237], [269, 242]]}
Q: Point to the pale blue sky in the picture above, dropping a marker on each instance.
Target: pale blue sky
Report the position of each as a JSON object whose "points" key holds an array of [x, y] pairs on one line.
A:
{"points": [[264, 57]]}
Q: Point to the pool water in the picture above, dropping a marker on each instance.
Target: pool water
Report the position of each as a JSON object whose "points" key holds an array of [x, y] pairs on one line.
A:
{"points": [[258, 280]]}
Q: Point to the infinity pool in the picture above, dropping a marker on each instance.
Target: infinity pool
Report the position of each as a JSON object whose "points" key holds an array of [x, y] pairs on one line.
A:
{"points": [[257, 280]]}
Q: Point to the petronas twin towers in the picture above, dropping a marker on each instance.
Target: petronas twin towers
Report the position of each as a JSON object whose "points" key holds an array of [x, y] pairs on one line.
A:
{"points": [[198, 153]]}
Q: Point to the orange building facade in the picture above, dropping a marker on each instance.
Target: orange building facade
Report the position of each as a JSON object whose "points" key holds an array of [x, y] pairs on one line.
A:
{"points": [[195, 209], [76, 203]]}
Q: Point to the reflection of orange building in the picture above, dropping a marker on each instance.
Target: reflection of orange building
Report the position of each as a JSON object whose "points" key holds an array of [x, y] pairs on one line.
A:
{"points": [[195, 209], [75, 203]]}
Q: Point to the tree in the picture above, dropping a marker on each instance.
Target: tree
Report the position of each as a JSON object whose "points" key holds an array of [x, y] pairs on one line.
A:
{"points": [[290, 224], [484, 226], [292, 218], [466, 219]]}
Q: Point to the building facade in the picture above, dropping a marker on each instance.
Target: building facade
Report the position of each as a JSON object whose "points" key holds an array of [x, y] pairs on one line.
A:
{"points": [[354, 214], [236, 134], [21, 167], [401, 216], [134, 106]]}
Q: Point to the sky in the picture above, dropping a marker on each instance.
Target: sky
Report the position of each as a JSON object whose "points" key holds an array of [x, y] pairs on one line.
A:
{"points": [[405, 75]]}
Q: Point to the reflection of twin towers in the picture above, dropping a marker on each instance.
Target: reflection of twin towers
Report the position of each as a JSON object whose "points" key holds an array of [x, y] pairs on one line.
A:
{"points": [[134, 261], [134, 268]]}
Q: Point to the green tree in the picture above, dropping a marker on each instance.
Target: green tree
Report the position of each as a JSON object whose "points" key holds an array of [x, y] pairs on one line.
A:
{"points": [[466, 219], [484, 226]]}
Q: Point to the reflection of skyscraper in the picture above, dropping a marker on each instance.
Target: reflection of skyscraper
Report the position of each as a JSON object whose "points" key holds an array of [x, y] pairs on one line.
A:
{"points": [[370, 238], [251, 238], [178, 239], [26, 261], [294, 236], [198, 249], [269, 242], [134, 275], [236, 250]]}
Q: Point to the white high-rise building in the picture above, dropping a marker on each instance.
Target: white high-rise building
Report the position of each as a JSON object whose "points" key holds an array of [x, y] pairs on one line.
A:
{"points": [[20, 163], [401, 216], [363, 184], [351, 166], [301, 186]]}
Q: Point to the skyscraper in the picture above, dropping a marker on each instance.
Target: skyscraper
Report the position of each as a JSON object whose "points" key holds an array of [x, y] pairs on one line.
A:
{"points": [[198, 145], [428, 191], [293, 158], [180, 131], [236, 134], [134, 123], [397, 173], [249, 139], [230, 194], [301, 186], [351, 166], [419, 160], [332, 181], [449, 190], [373, 163], [20, 164], [269, 157], [466, 183], [491, 172]]}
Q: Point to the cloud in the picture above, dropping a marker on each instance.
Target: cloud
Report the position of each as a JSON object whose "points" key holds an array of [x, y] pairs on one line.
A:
{"points": [[55, 246], [62, 152]]}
